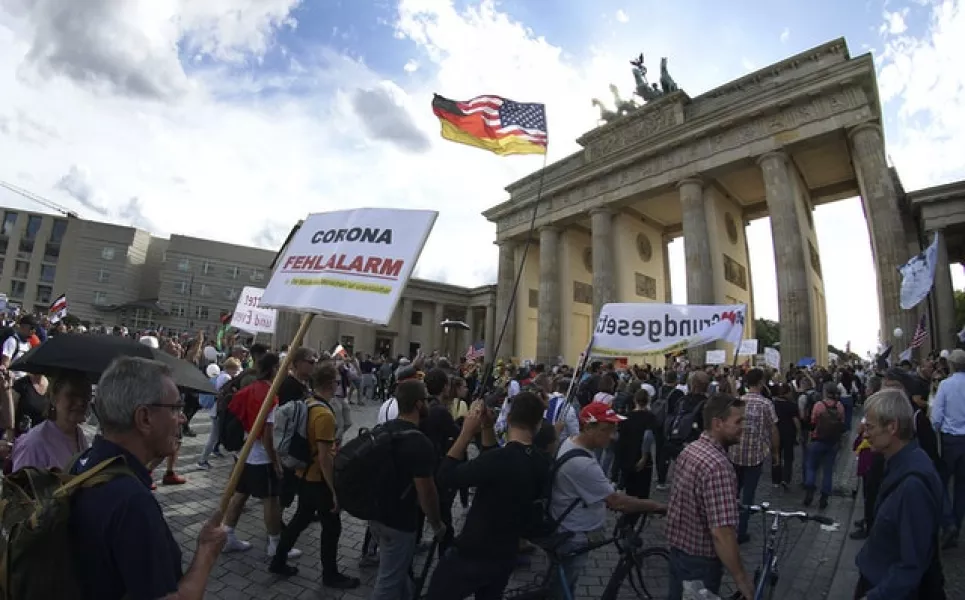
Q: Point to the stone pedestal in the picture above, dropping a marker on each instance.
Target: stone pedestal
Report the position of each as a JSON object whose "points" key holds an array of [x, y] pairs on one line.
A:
{"points": [[945, 330], [604, 283], [888, 242], [405, 328], [505, 314], [790, 258], [548, 341], [700, 273]]}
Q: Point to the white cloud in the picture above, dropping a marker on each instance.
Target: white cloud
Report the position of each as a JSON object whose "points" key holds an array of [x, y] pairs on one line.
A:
{"points": [[894, 23], [411, 66], [785, 35], [622, 16]]}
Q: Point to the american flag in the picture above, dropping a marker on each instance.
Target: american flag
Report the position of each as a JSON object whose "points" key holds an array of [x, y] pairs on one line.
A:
{"points": [[920, 334], [476, 351], [526, 120]]}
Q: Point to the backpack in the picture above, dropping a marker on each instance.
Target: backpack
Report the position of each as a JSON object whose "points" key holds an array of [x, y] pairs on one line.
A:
{"points": [[830, 426], [541, 524], [290, 432], [587, 389], [5, 334], [683, 426], [661, 404], [813, 397], [36, 554], [932, 584], [364, 467]]}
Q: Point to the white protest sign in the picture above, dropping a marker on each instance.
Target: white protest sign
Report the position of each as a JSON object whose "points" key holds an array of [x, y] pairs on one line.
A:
{"points": [[250, 316], [772, 357], [640, 329], [350, 263], [716, 357], [748, 348]]}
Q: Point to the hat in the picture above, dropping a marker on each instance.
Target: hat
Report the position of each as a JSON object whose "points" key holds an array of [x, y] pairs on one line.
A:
{"points": [[150, 341], [598, 412], [957, 356], [212, 370], [649, 389], [406, 372]]}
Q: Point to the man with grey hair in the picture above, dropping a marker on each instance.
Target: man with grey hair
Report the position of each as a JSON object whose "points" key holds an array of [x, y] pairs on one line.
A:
{"points": [[900, 558], [121, 541]]}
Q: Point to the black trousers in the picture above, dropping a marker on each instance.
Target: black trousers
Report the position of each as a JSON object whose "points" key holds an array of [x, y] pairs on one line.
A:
{"points": [[871, 484], [314, 497], [457, 577], [637, 484], [446, 498], [663, 456], [783, 472], [192, 405]]}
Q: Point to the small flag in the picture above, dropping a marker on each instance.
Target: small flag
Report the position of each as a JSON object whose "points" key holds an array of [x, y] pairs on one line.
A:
{"points": [[493, 123], [918, 276], [920, 334], [476, 351], [58, 310], [339, 351]]}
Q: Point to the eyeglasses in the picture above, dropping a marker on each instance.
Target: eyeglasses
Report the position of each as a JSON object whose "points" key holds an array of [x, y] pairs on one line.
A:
{"points": [[177, 408]]}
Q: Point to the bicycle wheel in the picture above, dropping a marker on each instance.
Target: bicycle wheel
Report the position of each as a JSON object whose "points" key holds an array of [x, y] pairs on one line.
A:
{"points": [[650, 575]]}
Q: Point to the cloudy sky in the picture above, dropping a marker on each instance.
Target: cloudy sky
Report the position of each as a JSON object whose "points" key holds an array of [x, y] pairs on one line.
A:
{"points": [[231, 119]]}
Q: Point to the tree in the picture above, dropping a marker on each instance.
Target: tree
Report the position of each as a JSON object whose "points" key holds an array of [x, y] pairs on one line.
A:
{"points": [[768, 333], [959, 309]]}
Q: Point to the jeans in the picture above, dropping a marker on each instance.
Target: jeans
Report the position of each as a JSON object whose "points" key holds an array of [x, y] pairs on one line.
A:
{"points": [[213, 439], [572, 566], [368, 386], [953, 455], [396, 550], [314, 497], [686, 567], [747, 480], [820, 455], [848, 403], [457, 576]]}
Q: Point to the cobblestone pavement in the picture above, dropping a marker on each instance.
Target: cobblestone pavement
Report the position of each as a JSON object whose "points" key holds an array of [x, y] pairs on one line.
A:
{"points": [[809, 559]]}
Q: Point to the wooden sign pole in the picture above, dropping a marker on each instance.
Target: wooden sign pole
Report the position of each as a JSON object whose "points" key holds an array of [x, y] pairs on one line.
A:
{"points": [[263, 412]]}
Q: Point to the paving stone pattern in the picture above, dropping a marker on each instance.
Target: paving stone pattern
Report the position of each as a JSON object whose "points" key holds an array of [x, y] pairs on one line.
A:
{"points": [[809, 558]]}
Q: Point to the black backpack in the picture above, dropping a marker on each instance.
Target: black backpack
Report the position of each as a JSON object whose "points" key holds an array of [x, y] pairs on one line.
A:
{"points": [[541, 524], [231, 432], [7, 333], [660, 406], [932, 585], [830, 426], [683, 427], [365, 467]]}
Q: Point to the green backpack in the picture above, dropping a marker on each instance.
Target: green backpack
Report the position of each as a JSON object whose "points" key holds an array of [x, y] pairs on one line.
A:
{"points": [[36, 554]]}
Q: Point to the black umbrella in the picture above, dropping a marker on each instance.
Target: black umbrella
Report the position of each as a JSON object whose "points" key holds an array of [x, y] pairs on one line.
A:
{"points": [[92, 354]]}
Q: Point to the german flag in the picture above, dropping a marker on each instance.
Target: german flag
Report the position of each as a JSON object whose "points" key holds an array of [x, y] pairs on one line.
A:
{"points": [[493, 123]]}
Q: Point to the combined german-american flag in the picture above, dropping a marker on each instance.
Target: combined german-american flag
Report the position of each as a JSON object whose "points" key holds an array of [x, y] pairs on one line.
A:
{"points": [[493, 123]]}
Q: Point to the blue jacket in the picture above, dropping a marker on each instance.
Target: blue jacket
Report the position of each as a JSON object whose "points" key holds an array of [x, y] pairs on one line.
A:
{"points": [[903, 538]]}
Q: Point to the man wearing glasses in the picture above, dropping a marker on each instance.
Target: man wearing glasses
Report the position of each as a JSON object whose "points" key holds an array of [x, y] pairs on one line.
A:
{"points": [[297, 385]]}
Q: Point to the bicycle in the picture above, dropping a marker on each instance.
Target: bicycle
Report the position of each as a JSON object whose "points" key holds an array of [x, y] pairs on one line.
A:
{"points": [[766, 575], [626, 538]]}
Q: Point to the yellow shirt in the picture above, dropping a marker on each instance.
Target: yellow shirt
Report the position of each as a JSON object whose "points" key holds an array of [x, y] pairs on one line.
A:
{"points": [[320, 428]]}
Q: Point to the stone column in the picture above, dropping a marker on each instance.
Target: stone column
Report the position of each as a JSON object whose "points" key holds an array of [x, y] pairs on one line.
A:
{"points": [[489, 335], [604, 286], [749, 332], [790, 258], [505, 315], [405, 327], [548, 325], [667, 287], [437, 337], [944, 299], [888, 245], [700, 271]]}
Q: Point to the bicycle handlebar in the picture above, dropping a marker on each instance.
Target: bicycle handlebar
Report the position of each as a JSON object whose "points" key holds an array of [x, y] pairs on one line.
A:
{"points": [[765, 508]]}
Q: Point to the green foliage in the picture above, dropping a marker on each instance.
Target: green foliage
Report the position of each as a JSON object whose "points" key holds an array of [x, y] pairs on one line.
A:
{"points": [[959, 309], [768, 333]]}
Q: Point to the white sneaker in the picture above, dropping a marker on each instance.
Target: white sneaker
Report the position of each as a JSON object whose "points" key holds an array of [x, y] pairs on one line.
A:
{"points": [[235, 545], [292, 554]]}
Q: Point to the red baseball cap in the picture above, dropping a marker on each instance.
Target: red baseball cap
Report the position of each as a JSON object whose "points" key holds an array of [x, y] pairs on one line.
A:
{"points": [[598, 412]]}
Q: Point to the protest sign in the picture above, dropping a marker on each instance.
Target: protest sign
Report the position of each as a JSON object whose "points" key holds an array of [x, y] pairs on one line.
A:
{"points": [[644, 328], [747, 348], [716, 357], [772, 357], [352, 264], [250, 316]]}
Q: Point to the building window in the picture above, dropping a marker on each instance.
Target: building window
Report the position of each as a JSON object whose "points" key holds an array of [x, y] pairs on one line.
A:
{"points": [[17, 288], [26, 248], [207, 268], [48, 273], [3, 245], [257, 275], [233, 272], [177, 310], [58, 231], [202, 312], [181, 287], [21, 269], [533, 298], [33, 227], [205, 290], [51, 252], [9, 222], [103, 276], [230, 294], [41, 309], [107, 253], [100, 298], [416, 318], [44, 294], [184, 265], [164, 256]]}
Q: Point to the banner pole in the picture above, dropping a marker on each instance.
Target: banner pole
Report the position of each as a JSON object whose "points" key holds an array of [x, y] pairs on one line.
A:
{"points": [[576, 375], [263, 413]]}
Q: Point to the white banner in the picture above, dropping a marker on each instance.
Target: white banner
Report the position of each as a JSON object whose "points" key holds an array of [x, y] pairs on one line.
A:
{"points": [[918, 275], [352, 263], [748, 348], [639, 329], [772, 357], [250, 316], [715, 357]]}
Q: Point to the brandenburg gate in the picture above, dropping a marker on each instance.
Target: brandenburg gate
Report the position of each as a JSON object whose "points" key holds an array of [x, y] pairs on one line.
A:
{"points": [[777, 143]]}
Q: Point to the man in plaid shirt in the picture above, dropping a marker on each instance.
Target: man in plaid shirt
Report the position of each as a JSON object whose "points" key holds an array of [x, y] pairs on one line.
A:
{"points": [[703, 513]]}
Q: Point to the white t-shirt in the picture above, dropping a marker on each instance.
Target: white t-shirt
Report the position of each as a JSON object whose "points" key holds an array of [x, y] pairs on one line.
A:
{"points": [[388, 411], [13, 347], [580, 478], [258, 455]]}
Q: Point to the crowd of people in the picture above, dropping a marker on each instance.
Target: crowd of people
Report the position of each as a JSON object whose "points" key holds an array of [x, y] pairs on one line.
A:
{"points": [[579, 444]]}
